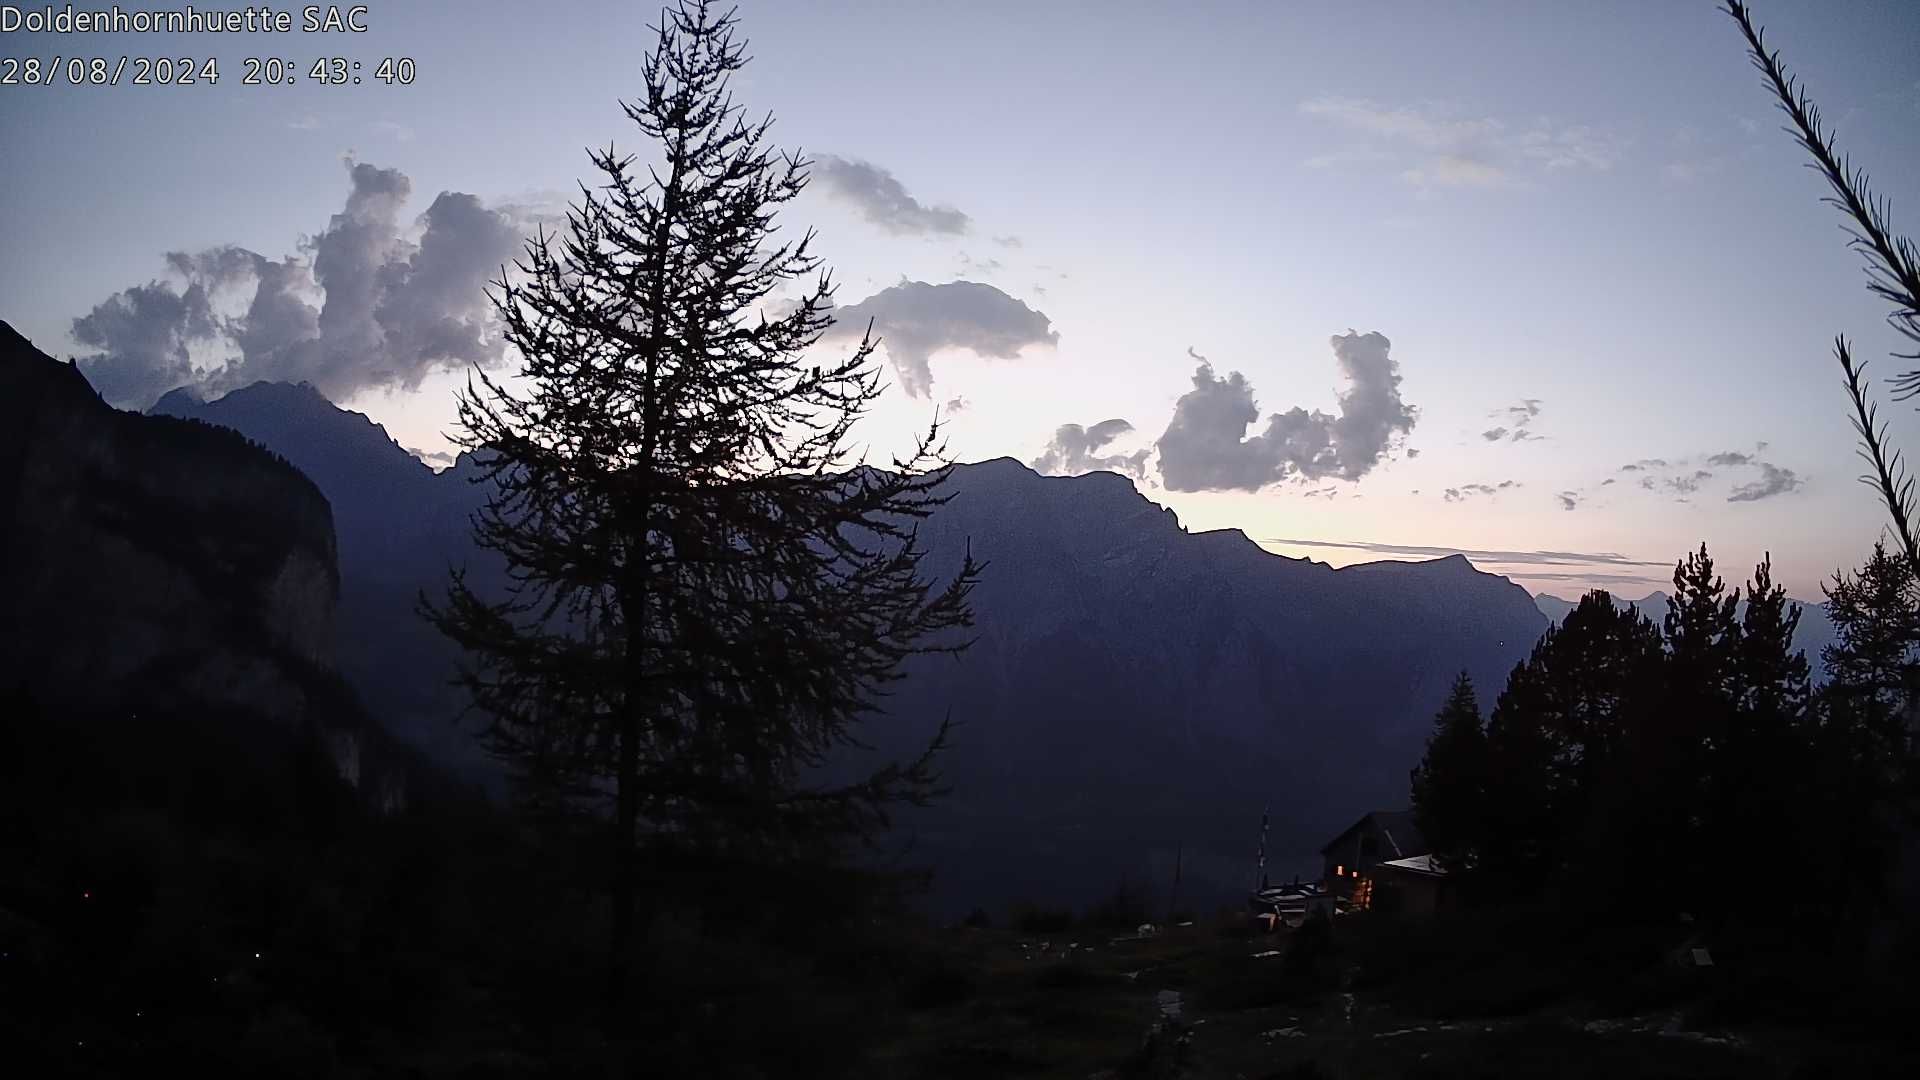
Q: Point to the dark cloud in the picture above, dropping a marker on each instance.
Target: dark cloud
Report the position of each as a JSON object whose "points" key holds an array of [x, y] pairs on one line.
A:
{"points": [[1569, 500], [1206, 448], [883, 200], [1494, 434], [914, 320], [1730, 457], [1075, 450], [1774, 480], [367, 306], [1502, 556], [1645, 463], [1412, 453], [955, 406]]}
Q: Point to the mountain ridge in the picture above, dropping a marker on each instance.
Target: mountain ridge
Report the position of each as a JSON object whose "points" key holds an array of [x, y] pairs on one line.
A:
{"points": [[1137, 687]]}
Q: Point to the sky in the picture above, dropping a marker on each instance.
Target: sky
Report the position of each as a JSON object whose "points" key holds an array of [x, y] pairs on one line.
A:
{"points": [[1542, 283]]}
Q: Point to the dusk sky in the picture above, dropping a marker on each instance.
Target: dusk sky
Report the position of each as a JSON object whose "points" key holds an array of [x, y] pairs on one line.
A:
{"points": [[1594, 262]]}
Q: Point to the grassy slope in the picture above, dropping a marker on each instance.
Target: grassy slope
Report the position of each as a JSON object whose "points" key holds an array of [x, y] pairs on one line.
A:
{"points": [[998, 1003]]}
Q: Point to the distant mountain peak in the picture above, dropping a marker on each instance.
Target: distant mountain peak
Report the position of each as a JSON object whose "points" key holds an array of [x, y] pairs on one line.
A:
{"points": [[177, 399]]}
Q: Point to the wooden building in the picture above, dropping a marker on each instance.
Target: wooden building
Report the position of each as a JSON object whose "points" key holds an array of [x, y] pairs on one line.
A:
{"points": [[1357, 859]]}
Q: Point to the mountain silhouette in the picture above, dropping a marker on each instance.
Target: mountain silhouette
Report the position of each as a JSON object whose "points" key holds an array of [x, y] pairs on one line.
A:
{"points": [[1136, 687], [165, 571]]}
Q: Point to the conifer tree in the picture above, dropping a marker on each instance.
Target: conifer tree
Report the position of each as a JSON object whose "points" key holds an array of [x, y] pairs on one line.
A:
{"points": [[1449, 784], [1757, 770], [708, 589]]}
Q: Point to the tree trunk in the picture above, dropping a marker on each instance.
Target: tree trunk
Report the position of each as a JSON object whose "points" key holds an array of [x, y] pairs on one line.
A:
{"points": [[627, 811]]}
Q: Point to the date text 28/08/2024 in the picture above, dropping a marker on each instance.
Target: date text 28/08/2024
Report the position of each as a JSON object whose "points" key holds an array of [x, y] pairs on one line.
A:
{"points": [[188, 71]]}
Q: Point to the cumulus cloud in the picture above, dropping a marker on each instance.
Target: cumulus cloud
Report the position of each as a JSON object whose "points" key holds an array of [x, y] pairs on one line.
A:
{"points": [[365, 304], [1774, 480], [1438, 147], [883, 200], [914, 320], [146, 331], [1206, 447], [1075, 450]]}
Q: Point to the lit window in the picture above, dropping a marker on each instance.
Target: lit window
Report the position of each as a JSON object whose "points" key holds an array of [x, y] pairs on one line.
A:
{"points": [[1339, 871]]}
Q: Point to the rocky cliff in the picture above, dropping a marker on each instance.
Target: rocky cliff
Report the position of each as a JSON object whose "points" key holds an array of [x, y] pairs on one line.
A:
{"points": [[155, 562]]}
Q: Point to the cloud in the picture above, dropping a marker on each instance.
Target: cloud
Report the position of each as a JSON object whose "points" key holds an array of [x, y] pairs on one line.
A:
{"points": [[1468, 491], [1687, 485], [365, 305], [1522, 414], [1569, 500], [971, 265], [147, 330], [1206, 448], [1683, 477], [1592, 579], [883, 200], [914, 320], [433, 457], [1412, 453], [1444, 149], [955, 406], [1075, 450], [1008, 241], [1501, 556], [1518, 422], [1774, 480]]}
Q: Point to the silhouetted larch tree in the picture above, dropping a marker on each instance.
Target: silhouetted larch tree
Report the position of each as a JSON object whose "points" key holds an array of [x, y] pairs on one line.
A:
{"points": [[707, 589], [1449, 785]]}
